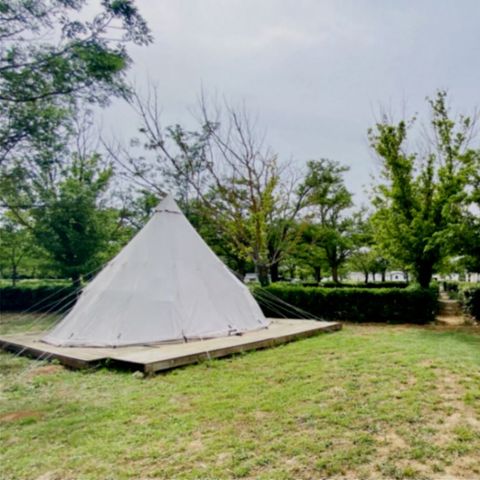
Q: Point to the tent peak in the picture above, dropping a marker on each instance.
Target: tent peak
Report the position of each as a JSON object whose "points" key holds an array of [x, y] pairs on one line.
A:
{"points": [[168, 204]]}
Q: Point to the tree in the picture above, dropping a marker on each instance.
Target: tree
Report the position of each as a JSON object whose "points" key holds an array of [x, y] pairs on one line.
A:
{"points": [[420, 201], [309, 251], [63, 204], [366, 257], [200, 217], [225, 165], [70, 225], [362, 260], [379, 264], [328, 200], [18, 249], [50, 59], [466, 237]]}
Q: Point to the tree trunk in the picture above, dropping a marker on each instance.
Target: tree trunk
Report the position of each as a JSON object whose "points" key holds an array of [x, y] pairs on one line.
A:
{"points": [[317, 273], [274, 275], [383, 275], [14, 275], [262, 273], [366, 277], [335, 273], [76, 280], [292, 272], [242, 269], [424, 274]]}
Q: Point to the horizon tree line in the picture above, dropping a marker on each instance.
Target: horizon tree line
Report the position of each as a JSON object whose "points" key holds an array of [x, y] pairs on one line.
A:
{"points": [[70, 200]]}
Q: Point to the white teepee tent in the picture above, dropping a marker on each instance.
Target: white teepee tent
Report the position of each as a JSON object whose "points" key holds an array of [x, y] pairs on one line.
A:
{"points": [[166, 285]]}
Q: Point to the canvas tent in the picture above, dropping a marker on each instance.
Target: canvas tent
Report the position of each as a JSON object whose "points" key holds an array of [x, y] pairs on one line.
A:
{"points": [[166, 285]]}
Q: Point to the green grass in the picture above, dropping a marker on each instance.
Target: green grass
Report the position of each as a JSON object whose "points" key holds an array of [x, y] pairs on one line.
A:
{"points": [[19, 322], [35, 282], [367, 402]]}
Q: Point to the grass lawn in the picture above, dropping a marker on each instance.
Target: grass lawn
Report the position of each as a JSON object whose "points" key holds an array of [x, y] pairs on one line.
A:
{"points": [[367, 402], [35, 282]]}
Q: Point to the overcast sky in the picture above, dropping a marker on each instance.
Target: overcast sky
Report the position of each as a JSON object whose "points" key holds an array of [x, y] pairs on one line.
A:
{"points": [[315, 71]]}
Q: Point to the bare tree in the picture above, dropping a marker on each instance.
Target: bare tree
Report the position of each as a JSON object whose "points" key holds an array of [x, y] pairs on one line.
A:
{"points": [[224, 165]]}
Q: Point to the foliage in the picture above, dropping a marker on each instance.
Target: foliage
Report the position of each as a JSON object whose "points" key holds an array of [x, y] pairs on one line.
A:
{"points": [[199, 215], [389, 284], [470, 299], [466, 236], [309, 252], [363, 260], [420, 201], [70, 226], [63, 205], [37, 298], [18, 249], [328, 199], [51, 58], [36, 282], [389, 305], [366, 256], [368, 261], [224, 165]]}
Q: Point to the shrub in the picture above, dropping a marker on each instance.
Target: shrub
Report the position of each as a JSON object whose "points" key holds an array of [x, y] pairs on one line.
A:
{"points": [[37, 298], [470, 300], [358, 285], [388, 305], [35, 282], [452, 289], [451, 285]]}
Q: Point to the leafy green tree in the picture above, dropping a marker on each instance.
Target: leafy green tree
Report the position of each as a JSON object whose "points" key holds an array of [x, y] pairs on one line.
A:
{"points": [[50, 59], [309, 252], [17, 248], [328, 201], [71, 224], [379, 264], [420, 200], [467, 236], [200, 217], [362, 261], [366, 257]]}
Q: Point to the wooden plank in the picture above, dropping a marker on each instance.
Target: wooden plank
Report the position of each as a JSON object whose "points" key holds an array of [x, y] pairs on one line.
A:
{"points": [[38, 351], [279, 329], [166, 356], [228, 350]]}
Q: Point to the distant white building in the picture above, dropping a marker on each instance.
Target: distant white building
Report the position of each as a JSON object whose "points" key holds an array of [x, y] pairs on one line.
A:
{"points": [[391, 276], [457, 277], [395, 276], [451, 277], [473, 277], [250, 277], [356, 277]]}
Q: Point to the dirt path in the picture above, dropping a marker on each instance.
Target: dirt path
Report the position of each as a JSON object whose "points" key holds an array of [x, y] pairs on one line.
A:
{"points": [[450, 312]]}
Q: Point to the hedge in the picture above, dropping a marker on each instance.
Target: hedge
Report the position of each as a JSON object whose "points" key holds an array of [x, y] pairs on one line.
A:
{"points": [[393, 305], [451, 285], [391, 284], [35, 282], [37, 298], [470, 300]]}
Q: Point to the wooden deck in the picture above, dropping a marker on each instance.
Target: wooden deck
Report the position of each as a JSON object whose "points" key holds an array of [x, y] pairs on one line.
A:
{"points": [[151, 359]]}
